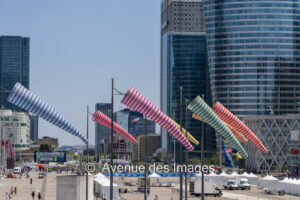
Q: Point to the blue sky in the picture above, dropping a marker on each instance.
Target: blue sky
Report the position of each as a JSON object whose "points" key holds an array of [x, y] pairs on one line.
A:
{"points": [[78, 46]]}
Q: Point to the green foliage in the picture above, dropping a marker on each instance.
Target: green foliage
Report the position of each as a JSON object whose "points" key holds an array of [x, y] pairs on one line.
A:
{"points": [[159, 157]]}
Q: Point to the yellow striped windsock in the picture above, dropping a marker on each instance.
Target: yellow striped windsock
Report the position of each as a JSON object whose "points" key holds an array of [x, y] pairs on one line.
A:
{"points": [[189, 136]]}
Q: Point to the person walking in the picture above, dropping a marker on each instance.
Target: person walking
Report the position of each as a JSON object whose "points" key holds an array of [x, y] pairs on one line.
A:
{"points": [[32, 194], [39, 196], [6, 196], [15, 190], [156, 197]]}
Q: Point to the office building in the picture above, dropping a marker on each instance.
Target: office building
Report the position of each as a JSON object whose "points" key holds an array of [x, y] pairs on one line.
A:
{"points": [[15, 127], [153, 147], [281, 135], [101, 132], [183, 63], [253, 52], [14, 67], [34, 127]]}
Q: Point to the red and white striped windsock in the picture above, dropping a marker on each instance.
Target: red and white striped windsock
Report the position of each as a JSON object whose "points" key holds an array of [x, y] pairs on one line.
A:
{"points": [[102, 119], [233, 121], [136, 101]]}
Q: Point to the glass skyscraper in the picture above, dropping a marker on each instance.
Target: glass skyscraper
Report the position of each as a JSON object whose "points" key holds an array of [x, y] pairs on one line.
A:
{"points": [[183, 63], [253, 52], [14, 66]]}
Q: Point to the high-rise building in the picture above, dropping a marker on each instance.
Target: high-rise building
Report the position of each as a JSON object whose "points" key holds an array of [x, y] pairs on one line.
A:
{"points": [[101, 132], [34, 127], [14, 67], [183, 63], [253, 52]]}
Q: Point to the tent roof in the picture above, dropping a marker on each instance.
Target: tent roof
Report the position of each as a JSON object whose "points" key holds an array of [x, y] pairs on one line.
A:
{"points": [[224, 174], [252, 175], [213, 174], [154, 175]]}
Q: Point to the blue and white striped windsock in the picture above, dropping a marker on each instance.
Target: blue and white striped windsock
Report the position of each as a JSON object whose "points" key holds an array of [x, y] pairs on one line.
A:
{"points": [[24, 98]]}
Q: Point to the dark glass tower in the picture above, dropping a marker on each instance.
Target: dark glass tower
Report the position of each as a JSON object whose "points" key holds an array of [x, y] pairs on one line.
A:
{"points": [[14, 66], [253, 52], [183, 63]]}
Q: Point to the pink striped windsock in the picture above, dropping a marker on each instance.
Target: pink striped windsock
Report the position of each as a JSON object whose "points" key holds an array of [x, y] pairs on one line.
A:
{"points": [[102, 119], [136, 101], [233, 121]]}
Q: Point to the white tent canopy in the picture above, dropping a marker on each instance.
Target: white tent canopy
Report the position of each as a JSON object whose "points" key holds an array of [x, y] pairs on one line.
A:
{"points": [[102, 186], [154, 175]]}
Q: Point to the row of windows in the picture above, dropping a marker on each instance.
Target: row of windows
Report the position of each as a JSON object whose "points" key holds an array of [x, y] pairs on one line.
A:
{"points": [[258, 76], [252, 11], [242, 29], [257, 95], [255, 71], [249, 5], [246, 59], [259, 107], [257, 88], [255, 100], [256, 46], [247, 53], [262, 34], [245, 17], [251, 41], [256, 82], [252, 23]]}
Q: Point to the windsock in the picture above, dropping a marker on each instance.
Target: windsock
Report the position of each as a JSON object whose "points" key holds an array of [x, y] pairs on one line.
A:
{"points": [[24, 98], [239, 136], [233, 121], [185, 133], [136, 101], [102, 119], [201, 109]]}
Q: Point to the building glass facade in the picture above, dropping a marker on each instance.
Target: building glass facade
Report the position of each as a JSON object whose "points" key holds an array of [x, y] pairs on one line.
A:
{"points": [[102, 133], [253, 52], [14, 66]]}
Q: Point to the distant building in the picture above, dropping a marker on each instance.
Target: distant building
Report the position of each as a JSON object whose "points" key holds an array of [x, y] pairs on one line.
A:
{"points": [[53, 142], [34, 127], [153, 144], [14, 67], [101, 132], [281, 135], [134, 122], [15, 127]]}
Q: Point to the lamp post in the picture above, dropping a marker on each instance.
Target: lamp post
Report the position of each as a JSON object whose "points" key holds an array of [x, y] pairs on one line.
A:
{"points": [[202, 158], [180, 150], [87, 153], [186, 151], [111, 140], [146, 160]]}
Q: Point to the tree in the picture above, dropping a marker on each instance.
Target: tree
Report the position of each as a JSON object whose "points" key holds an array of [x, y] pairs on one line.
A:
{"points": [[159, 157]]}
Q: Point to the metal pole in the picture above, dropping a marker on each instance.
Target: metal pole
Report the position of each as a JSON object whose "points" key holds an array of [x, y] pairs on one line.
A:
{"points": [[186, 151], [202, 158], [174, 140], [87, 152], [146, 160], [2, 127], [220, 148], [111, 141], [180, 150]]}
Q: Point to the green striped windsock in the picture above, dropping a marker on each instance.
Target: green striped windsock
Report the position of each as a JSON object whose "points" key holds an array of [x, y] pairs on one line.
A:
{"points": [[199, 107]]}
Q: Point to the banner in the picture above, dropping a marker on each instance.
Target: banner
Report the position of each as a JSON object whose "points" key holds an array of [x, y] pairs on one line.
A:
{"points": [[200, 108], [102, 119], [232, 120], [239, 136], [136, 101], [227, 157], [24, 98]]}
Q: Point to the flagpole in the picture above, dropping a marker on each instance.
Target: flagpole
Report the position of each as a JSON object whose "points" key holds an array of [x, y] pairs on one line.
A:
{"points": [[146, 160], [186, 151], [202, 158], [87, 153]]}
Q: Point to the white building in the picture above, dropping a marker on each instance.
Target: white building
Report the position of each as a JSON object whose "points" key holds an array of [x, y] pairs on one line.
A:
{"points": [[281, 135], [15, 127]]}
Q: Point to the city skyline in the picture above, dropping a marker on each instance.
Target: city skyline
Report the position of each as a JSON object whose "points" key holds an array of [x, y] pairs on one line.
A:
{"points": [[77, 48]]}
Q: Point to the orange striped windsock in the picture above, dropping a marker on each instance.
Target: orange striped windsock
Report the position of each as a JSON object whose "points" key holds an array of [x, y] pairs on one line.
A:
{"points": [[239, 136], [226, 116]]}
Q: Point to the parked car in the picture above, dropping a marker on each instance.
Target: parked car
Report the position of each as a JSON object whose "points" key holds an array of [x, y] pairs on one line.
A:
{"points": [[231, 185], [17, 170], [41, 175], [244, 184]]}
